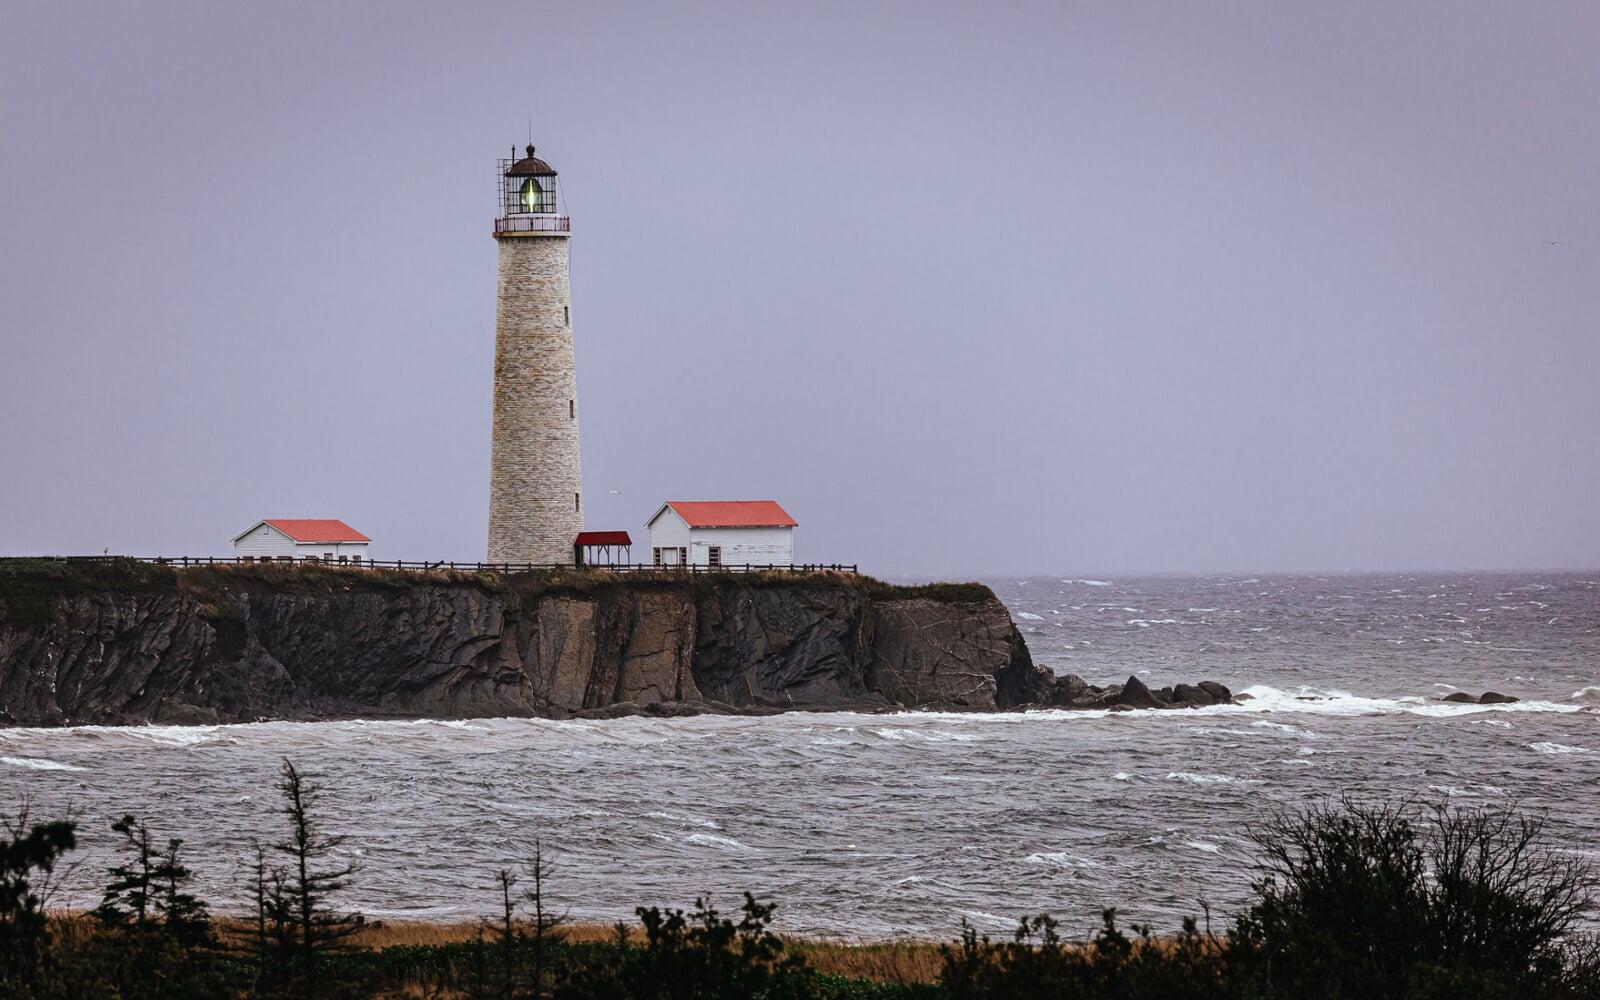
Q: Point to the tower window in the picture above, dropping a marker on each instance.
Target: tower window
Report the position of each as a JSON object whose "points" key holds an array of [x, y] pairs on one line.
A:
{"points": [[566, 315], [577, 502], [572, 408]]}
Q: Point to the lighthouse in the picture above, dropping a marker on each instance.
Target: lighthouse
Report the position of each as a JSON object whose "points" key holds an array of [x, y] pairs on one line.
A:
{"points": [[535, 474]]}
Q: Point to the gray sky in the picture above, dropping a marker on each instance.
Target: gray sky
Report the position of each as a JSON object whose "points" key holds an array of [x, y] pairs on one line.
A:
{"points": [[1095, 288]]}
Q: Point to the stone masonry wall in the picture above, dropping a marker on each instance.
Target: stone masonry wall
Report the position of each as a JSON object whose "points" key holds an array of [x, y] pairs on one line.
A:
{"points": [[535, 471]]}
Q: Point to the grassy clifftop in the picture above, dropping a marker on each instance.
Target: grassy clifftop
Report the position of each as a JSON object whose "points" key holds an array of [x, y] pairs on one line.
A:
{"points": [[29, 587]]}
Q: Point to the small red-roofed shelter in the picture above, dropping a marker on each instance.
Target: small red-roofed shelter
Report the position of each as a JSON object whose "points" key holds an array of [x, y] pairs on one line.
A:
{"points": [[283, 538], [602, 548], [722, 533]]}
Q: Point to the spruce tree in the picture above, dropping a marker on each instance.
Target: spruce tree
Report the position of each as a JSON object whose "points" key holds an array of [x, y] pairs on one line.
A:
{"points": [[304, 892]]}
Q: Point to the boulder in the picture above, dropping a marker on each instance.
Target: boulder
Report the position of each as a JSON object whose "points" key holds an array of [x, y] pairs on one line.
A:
{"points": [[1192, 696], [1460, 697], [1496, 698], [1070, 690], [1217, 691], [1134, 695]]}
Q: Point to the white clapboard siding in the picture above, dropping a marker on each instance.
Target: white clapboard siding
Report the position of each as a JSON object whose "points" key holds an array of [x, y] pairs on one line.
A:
{"points": [[742, 546], [264, 540], [668, 531]]}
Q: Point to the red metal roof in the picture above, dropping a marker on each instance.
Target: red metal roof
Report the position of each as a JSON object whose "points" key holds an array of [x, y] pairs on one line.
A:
{"points": [[733, 513], [317, 529], [603, 538]]}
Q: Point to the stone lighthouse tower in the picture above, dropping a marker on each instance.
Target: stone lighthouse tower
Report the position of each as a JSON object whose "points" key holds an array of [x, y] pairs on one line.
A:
{"points": [[535, 477]]}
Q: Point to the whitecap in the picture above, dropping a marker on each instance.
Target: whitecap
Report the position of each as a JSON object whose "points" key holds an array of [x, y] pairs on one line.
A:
{"points": [[926, 735], [1555, 748], [1281, 727], [1207, 779], [1030, 617], [1203, 845], [684, 819], [1090, 583], [1588, 695], [1059, 859], [40, 764], [715, 840]]}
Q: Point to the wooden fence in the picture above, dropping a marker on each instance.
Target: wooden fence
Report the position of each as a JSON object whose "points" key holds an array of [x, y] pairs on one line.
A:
{"points": [[358, 563]]}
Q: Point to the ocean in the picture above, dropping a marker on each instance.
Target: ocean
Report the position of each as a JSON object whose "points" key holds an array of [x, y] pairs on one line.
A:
{"points": [[865, 825]]}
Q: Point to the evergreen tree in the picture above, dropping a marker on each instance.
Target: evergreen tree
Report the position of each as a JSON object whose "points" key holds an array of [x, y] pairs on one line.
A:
{"points": [[302, 895], [127, 897], [547, 925]]}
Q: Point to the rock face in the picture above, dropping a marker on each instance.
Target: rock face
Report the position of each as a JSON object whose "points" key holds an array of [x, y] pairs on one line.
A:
{"points": [[97, 644]]}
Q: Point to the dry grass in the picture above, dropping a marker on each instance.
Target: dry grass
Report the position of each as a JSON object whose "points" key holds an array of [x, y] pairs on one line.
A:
{"points": [[889, 962], [884, 962]]}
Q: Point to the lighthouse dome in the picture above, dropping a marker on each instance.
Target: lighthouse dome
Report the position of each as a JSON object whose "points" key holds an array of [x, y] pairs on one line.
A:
{"points": [[530, 166]]}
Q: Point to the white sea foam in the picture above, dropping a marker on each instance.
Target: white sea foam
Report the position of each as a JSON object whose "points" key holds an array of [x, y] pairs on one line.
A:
{"points": [[1030, 617], [1556, 748], [1203, 845], [1283, 727], [1060, 859], [1588, 695], [1090, 583], [927, 735], [715, 840], [684, 819], [172, 736], [40, 764], [1209, 779]]}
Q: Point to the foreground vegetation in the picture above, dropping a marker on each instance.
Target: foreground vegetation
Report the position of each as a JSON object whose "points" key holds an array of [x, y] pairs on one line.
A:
{"points": [[1354, 900]]}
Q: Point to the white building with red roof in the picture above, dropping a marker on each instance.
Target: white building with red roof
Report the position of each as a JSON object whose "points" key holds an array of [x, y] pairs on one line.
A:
{"points": [[325, 538], [721, 533]]}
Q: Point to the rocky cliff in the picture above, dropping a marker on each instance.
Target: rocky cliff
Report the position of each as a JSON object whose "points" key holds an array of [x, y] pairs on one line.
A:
{"points": [[125, 642]]}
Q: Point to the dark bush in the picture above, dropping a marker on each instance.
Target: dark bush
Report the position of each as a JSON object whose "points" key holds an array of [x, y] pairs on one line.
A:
{"points": [[28, 857], [698, 955], [1036, 964], [1393, 900]]}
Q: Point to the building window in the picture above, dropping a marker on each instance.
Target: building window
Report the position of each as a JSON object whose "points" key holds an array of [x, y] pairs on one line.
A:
{"points": [[683, 555], [566, 315], [714, 555], [577, 502], [655, 556], [356, 560], [572, 408]]}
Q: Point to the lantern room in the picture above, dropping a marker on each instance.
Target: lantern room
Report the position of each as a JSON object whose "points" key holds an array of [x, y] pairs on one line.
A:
{"points": [[529, 198]]}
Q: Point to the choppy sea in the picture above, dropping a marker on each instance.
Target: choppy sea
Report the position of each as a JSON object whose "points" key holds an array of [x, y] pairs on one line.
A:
{"points": [[876, 825]]}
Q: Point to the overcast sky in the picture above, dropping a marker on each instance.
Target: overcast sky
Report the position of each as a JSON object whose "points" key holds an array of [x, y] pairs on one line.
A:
{"points": [[1083, 288]]}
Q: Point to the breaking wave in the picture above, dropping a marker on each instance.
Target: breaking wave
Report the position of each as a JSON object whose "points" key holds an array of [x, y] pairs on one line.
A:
{"points": [[40, 764]]}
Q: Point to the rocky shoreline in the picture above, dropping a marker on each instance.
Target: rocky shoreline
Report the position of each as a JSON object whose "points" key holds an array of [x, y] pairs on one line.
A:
{"points": [[126, 643]]}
